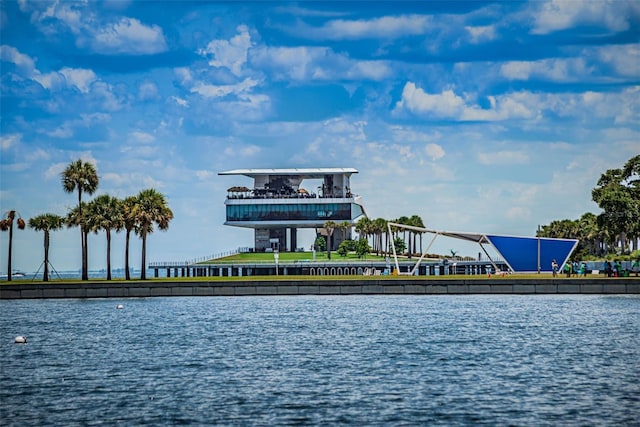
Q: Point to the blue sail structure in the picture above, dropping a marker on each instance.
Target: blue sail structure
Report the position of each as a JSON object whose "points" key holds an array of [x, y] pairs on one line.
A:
{"points": [[522, 253]]}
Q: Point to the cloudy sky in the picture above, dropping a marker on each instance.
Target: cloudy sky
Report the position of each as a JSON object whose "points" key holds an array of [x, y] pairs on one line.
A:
{"points": [[485, 117]]}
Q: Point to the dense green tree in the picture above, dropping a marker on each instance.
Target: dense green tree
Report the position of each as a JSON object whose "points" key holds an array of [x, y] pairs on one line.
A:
{"points": [[6, 223], [152, 209], [320, 244], [46, 222], [362, 248], [105, 213], [83, 177], [343, 249], [617, 193], [399, 244]]}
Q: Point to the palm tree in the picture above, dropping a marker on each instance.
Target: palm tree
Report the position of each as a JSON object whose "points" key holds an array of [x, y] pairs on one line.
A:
{"points": [[363, 227], [345, 226], [105, 213], [416, 221], [74, 218], [405, 221], [329, 226], [152, 208], [7, 224], [81, 176], [129, 210], [46, 222]]}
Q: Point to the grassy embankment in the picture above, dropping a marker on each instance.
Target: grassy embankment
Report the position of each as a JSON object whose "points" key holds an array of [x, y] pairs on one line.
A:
{"points": [[289, 257], [292, 257]]}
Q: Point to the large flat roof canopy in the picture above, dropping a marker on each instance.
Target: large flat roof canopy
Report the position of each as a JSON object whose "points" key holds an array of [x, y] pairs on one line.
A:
{"points": [[307, 173]]}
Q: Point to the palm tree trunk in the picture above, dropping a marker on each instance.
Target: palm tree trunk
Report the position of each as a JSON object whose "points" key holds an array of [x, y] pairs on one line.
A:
{"points": [[143, 271], [9, 255], [127, 275], [83, 240], [108, 254], [85, 255], [45, 275]]}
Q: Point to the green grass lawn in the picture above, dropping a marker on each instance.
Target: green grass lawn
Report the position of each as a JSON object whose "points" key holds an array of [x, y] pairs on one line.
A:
{"points": [[285, 257]]}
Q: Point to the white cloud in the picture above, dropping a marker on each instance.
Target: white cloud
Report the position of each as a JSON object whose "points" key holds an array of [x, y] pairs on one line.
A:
{"points": [[231, 54], [203, 175], [448, 105], [242, 151], [518, 213], [183, 75], [180, 101], [22, 61], [625, 59], [79, 77], [55, 170], [127, 36], [416, 100], [148, 91], [141, 137], [557, 15], [386, 27], [560, 70], [9, 141], [218, 91], [316, 63], [86, 121], [123, 36], [434, 151], [503, 157], [481, 34]]}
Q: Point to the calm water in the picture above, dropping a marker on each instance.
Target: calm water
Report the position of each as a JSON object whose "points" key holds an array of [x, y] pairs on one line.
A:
{"points": [[356, 360]]}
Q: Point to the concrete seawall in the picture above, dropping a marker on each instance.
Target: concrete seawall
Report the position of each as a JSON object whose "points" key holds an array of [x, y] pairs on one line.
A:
{"points": [[164, 288]]}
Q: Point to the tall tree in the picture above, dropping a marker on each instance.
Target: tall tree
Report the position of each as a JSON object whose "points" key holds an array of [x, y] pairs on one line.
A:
{"points": [[416, 221], [345, 227], [7, 224], [129, 212], [379, 228], [363, 227], [329, 226], [46, 222], [83, 177], [152, 209], [105, 213], [618, 194]]}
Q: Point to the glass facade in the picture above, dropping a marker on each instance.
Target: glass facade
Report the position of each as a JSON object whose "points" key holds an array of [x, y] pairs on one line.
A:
{"points": [[293, 212]]}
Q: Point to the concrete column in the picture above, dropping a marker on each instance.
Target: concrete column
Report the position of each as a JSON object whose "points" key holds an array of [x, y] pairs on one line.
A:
{"points": [[294, 239]]}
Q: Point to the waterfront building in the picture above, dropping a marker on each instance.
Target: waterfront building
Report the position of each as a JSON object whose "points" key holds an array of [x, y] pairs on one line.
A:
{"points": [[277, 204]]}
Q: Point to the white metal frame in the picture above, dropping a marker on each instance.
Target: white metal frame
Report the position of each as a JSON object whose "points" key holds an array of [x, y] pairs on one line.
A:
{"points": [[470, 237]]}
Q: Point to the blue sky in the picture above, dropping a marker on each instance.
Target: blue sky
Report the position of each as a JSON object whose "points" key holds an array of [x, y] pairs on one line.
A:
{"points": [[478, 116]]}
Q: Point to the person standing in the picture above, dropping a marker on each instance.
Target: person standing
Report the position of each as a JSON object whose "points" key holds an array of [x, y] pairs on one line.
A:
{"points": [[554, 268]]}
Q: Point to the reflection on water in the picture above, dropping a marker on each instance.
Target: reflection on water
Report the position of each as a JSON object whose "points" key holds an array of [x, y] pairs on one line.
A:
{"points": [[347, 360]]}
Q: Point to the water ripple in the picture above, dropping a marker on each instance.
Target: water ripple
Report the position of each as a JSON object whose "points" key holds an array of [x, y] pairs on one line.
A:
{"points": [[352, 360]]}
